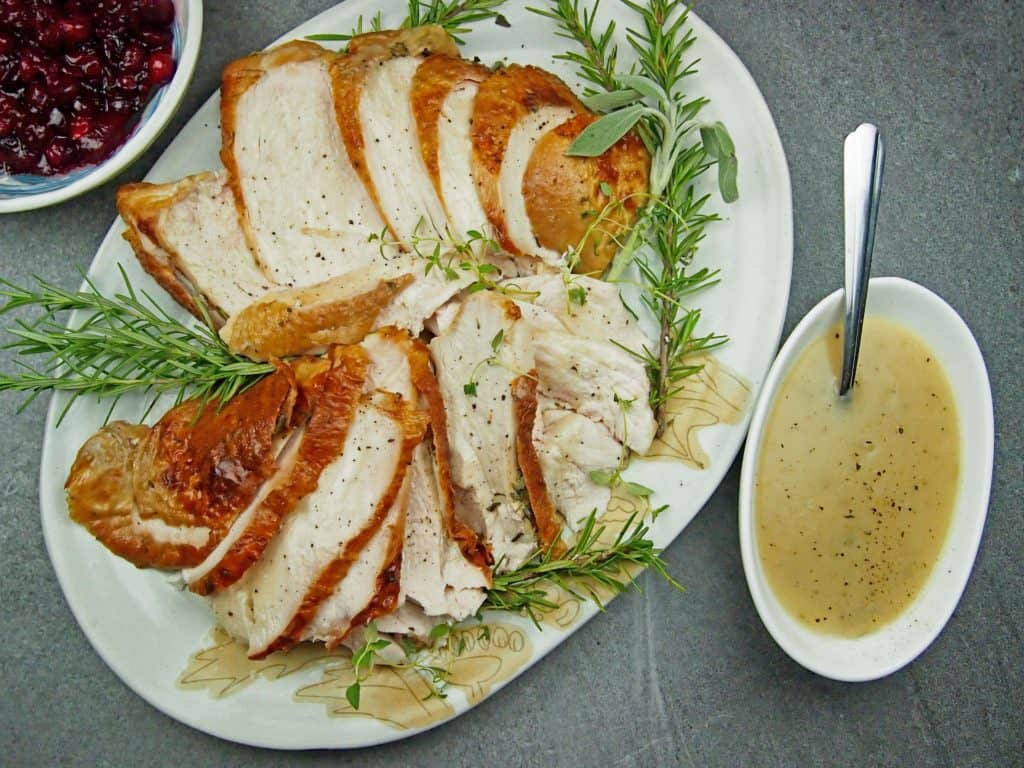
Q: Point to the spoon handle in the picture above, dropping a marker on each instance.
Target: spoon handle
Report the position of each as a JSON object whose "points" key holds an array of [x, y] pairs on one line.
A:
{"points": [[863, 158]]}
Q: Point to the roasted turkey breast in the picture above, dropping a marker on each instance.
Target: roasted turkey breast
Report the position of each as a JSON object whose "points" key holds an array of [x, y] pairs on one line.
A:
{"points": [[377, 475]]}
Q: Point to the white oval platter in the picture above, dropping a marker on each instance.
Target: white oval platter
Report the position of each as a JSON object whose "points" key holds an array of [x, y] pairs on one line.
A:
{"points": [[146, 630]]}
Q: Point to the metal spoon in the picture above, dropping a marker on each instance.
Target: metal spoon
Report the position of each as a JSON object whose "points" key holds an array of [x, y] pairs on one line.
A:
{"points": [[863, 158]]}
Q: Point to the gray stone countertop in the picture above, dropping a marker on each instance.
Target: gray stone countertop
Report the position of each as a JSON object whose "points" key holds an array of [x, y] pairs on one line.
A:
{"points": [[663, 679]]}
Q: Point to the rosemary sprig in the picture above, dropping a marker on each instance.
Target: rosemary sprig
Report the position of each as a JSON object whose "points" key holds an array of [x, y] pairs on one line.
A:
{"points": [[581, 570], [455, 17], [126, 343], [671, 225]]}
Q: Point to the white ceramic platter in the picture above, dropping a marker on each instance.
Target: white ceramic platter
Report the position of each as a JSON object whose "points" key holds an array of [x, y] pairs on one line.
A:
{"points": [[146, 630]]}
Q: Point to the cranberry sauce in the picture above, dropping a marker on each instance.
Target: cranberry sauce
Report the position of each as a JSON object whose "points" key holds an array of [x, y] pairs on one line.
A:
{"points": [[74, 75]]}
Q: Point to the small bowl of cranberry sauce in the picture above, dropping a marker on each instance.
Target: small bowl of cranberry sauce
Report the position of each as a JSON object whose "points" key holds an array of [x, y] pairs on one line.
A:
{"points": [[85, 87]]}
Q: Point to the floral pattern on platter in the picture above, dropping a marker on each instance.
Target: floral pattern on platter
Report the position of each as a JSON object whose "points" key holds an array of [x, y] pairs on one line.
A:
{"points": [[477, 656]]}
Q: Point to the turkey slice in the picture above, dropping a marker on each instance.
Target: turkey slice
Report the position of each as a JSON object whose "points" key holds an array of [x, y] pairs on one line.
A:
{"points": [[371, 86], [435, 572], [512, 109], [296, 321], [583, 362], [570, 447], [472, 361], [444, 565], [164, 496], [305, 213], [443, 92], [187, 236]]}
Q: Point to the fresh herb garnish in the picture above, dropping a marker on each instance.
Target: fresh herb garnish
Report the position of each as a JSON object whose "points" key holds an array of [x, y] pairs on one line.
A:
{"points": [[651, 99], [362, 662], [581, 570], [469, 387], [126, 343], [436, 677], [454, 17]]}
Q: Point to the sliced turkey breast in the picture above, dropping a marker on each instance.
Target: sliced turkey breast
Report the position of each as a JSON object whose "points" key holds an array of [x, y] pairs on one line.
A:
{"points": [[512, 110], [186, 234], [444, 564], [570, 447], [443, 92], [367, 579], [332, 543], [584, 364], [295, 321], [333, 397], [164, 496], [470, 358], [435, 572], [565, 197], [372, 85], [305, 213]]}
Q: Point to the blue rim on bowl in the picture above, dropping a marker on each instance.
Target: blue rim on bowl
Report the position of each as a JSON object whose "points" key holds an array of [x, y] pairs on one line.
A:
{"points": [[26, 192]]}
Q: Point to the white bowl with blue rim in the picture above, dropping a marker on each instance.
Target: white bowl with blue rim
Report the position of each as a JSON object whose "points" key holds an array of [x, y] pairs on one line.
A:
{"points": [[25, 192]]}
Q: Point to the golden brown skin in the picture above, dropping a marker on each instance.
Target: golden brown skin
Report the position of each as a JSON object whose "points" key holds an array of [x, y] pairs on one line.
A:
{"points": [[185, 472], [205, 470], [505, 98], [434, 80], [99, 492], [349, 71], [524, 402], [304, 320], [333, 396], [565, 202]]}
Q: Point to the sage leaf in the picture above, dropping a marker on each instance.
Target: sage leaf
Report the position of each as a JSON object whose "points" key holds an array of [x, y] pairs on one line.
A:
{"points": [[606, 102], [718, 145], [599, 136], [727, 170], [643, 85]]}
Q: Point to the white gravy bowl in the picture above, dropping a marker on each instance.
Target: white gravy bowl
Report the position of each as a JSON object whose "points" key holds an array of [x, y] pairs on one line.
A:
{"points": [[896, 644]]}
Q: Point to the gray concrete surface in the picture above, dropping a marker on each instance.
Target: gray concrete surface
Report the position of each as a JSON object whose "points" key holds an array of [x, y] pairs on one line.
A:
{"points": [[946, 82]]}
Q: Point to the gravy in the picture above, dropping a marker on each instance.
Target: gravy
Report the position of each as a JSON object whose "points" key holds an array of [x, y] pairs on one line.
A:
{"points": [[854, 497]]}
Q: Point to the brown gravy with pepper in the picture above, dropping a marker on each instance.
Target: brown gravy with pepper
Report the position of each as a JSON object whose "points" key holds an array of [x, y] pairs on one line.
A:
{"points": [[854, 497]]}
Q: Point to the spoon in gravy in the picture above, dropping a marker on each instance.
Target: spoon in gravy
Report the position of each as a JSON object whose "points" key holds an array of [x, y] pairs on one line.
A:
{"points": [[863, 158]]}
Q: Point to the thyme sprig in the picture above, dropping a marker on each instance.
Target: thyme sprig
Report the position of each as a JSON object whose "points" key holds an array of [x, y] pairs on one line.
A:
{"points": [[126, 343], [365, 656], [651, 99], [456, 17], [582, 570]]}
